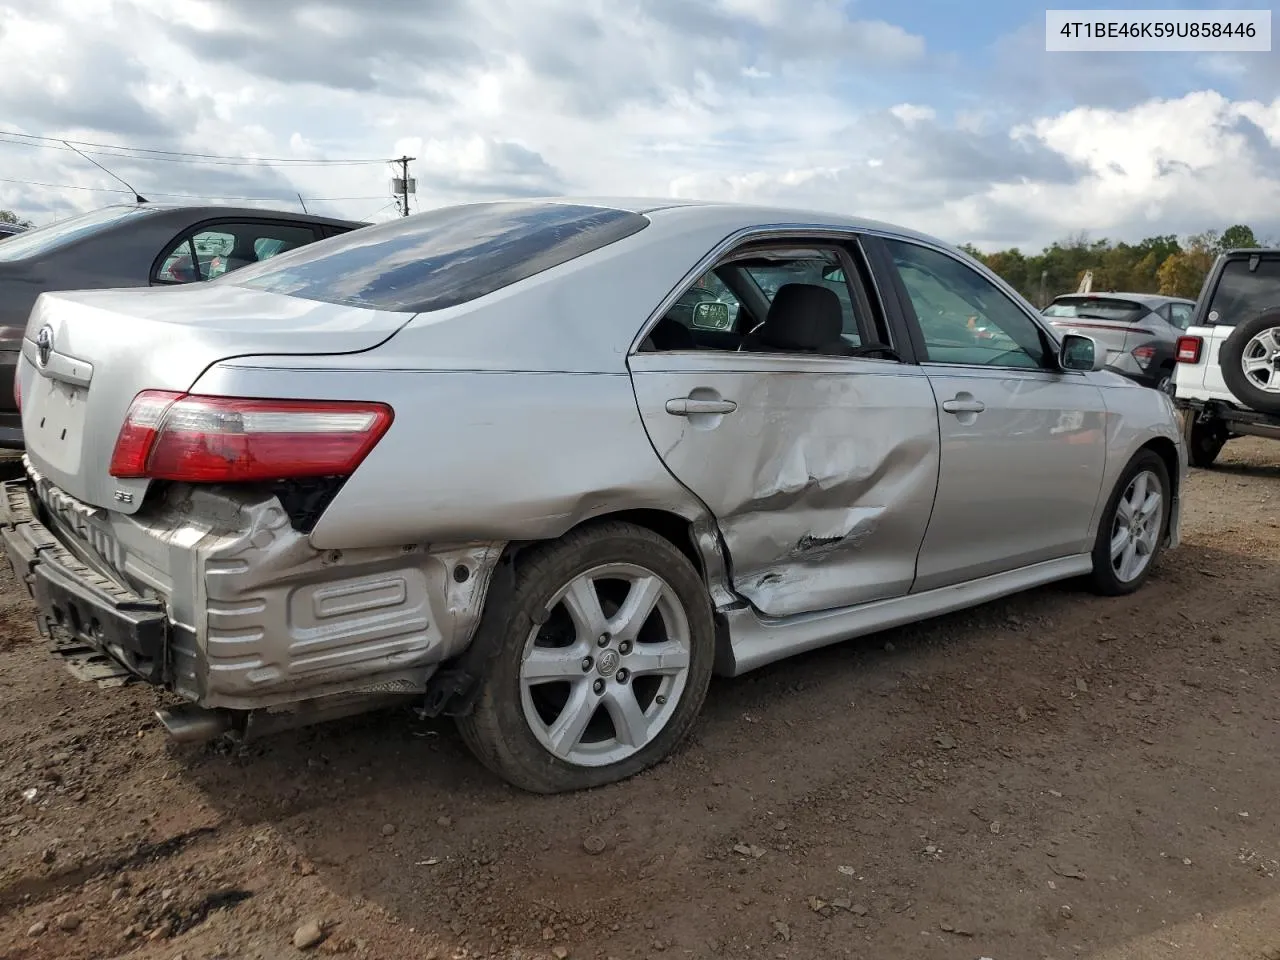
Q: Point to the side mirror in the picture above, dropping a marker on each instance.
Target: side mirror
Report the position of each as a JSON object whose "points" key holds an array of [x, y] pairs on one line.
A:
{"points": [[712, 315], [1081, 353]]}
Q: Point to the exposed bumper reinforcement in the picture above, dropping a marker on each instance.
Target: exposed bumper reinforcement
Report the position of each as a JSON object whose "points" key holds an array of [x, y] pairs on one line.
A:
{"points": [[98, 625]]}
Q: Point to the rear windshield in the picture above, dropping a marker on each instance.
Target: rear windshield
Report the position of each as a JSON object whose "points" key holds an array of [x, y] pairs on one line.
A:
{"points": [[42, 240], [1121, 311], [1241, 294], [441, 258]]}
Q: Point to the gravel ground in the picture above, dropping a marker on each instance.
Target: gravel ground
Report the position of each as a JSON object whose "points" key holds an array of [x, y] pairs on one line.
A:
{"points": [[1054, 775]]}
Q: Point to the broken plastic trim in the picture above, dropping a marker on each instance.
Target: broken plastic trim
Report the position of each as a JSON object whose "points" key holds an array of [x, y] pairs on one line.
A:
{"points": [[452, 691]]}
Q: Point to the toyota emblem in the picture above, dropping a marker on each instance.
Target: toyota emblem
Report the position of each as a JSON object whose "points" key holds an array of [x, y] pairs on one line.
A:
{"points": [[44, 344]]}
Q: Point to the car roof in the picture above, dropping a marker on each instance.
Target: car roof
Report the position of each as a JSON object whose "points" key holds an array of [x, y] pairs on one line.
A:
{"points": [[1146, 299], [206, 211], [736, 215]]}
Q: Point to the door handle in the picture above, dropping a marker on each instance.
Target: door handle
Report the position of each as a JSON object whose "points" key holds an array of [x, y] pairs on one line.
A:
{"points": [[689, 407], [963, 406]]}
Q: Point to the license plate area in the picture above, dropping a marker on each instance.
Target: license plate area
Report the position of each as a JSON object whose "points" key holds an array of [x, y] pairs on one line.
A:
{"points": [[53, 422]]}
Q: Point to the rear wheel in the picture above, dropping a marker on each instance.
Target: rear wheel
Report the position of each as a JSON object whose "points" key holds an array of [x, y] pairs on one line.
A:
{"points": [[1250, 362], [1132, 530], [604, 663], [1206, 441]]}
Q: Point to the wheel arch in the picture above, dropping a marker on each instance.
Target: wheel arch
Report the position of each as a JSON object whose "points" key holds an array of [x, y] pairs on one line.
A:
{"points": [[1167, 451], [698, 538], [451, 690]]}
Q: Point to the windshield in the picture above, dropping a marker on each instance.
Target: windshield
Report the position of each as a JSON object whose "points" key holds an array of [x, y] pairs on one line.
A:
{"points": [[1121, 311], [440, 258], [41, 240], [1241, 294]]}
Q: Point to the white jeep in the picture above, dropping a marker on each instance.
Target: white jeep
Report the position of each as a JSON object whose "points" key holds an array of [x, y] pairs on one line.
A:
{"points": [[1227, 376]]}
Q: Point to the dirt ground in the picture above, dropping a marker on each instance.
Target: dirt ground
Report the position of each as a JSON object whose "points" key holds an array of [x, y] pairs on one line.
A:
{"points": [[1054, 775]]}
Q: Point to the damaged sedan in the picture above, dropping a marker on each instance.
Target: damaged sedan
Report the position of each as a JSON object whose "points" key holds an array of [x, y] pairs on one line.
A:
{"points": [[547, 466]]}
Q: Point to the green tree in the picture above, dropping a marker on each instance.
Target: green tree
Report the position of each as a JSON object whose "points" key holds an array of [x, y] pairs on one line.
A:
{"points": [[1182, 274], [1163, 264], [1237, 237], [8, 216]]}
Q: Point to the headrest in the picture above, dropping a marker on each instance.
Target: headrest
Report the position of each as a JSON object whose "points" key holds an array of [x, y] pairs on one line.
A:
{"points": [[803, 316]]}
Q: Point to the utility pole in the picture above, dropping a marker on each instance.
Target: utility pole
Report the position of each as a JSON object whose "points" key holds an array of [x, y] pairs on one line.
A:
{"points": [[403, 185]]}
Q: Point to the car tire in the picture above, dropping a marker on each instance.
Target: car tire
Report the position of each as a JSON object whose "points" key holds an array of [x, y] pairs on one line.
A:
{"points": [[1111, 551], [1205, 442], [552, 670], [1243, 345]]}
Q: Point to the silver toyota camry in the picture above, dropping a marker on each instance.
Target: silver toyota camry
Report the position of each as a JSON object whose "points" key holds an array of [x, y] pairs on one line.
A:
{"points": [[546, 466]]}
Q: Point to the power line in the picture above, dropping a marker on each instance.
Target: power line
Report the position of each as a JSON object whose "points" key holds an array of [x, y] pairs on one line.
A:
{"points": [[391, 203], [170, 156], [192, 196]]}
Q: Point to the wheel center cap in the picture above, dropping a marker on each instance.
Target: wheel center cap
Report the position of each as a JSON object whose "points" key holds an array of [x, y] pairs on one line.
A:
{"points": [[607, 663]]}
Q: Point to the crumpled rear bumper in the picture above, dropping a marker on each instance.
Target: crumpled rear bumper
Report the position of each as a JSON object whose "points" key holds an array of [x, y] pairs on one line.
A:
{"points": [[242, 613], [87, 615]]}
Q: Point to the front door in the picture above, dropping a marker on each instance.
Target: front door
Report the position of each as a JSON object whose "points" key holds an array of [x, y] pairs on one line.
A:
{"points": [[819, 466], [1023, 443]]}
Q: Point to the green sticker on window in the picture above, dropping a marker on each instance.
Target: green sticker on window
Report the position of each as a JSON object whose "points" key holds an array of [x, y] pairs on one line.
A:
{"points": [[712, 315]]}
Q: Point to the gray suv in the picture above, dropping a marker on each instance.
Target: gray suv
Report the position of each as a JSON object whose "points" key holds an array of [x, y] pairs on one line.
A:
{"points": [[1139, 330]]}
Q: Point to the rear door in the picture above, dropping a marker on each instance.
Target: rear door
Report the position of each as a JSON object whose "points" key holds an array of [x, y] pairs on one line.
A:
{"points": [[819, 466], [1023, 443]]}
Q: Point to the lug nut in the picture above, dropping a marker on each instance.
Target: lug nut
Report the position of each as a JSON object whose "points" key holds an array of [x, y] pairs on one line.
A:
{"points": [[604, 640], [623, 675], [624, 647], [587, 664], [598, 686]]}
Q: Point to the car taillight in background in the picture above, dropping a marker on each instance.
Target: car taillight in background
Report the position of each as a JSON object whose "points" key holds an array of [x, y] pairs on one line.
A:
{"points": [[1143, 355], [195, 439], [1188, 349]]}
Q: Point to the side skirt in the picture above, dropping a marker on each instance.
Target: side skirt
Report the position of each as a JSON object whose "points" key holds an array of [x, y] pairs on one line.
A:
{"points": [[756, 641]]}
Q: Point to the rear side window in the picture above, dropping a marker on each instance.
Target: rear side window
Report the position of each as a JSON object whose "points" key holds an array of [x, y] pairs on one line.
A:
{"points": [[441, 258], [1120, 311], [1180, 314], [224, 247], [1241, 294]]}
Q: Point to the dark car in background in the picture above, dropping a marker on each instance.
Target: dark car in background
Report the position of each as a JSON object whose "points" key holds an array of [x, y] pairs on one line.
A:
{"points": [[1139, 330], [9, 229], [134, 245]]}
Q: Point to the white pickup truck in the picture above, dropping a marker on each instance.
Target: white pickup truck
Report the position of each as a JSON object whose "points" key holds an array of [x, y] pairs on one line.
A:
{"points": [[1227, 376]]}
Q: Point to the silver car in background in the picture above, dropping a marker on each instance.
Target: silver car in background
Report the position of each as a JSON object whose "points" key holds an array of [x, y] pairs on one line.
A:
{"points": [[495, 459], [1138, 330]]}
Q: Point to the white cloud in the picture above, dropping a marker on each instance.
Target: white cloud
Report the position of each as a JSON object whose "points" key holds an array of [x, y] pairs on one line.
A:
{"points": [[911, 114], [728, 99]]}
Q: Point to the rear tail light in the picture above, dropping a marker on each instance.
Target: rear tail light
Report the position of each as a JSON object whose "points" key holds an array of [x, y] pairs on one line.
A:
{"points": [[1143, 355], [175, 436], [1188, 350]]}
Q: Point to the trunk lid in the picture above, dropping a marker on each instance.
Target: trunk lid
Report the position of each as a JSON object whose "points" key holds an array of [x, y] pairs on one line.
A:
{"points": [[87, 354]]}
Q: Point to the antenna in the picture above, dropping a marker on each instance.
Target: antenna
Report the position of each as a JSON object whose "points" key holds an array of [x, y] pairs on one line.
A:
{"points": [[304, 204], [137, 197]]}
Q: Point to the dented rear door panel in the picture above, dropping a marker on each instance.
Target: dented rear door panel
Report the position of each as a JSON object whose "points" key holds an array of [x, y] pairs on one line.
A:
{"points": [[822, 477]]}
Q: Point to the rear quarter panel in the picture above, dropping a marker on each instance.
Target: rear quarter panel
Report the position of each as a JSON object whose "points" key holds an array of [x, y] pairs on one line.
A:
{"points": [[515, 416], [480, 455]]}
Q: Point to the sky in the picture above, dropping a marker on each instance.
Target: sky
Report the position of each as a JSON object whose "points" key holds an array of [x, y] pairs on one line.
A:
{"points": [[942, 116]]}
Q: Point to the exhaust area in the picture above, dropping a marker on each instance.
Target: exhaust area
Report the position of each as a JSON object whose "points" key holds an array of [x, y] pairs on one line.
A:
{"points": [[188, 723]]}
